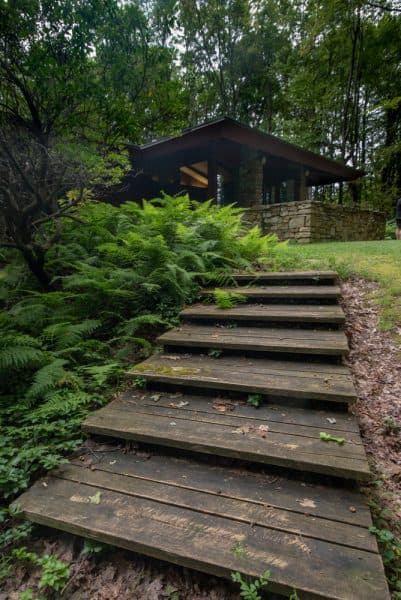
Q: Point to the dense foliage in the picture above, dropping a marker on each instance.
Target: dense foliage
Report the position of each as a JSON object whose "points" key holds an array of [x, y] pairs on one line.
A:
{"points": [[325, 75], [120, 275]]}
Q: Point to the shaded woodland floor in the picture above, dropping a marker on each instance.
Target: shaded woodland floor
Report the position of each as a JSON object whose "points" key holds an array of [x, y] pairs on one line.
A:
{"points": [[375, 360]]}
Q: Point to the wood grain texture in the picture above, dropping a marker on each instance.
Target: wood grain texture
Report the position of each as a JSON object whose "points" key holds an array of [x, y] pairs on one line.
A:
{"points": [[258, 339], [177, 526], [327, 502], [272, 378], [256, 440], [338, 423], [290, 313]]}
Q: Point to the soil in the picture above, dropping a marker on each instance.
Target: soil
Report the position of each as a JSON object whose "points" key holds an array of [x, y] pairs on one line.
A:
{"points": [[375, 360]]}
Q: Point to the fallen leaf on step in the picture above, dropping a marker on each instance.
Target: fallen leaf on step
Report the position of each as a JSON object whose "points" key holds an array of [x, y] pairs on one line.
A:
{"points": [[224, 405], [352, 509], [262, 430], [155, 397], [244, 429], [95, 499], [178, 404], [306, 503], [331, 420], [221, 407]]}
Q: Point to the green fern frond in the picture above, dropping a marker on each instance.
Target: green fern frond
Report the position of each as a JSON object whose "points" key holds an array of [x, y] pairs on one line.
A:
{"points": [[102, 373], [60, 403], [47, 378], [65, 335], [18, 351], [136, 323]]}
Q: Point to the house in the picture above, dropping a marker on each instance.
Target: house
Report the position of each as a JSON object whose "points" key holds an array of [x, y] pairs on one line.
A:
{"points": [[271, 178]]}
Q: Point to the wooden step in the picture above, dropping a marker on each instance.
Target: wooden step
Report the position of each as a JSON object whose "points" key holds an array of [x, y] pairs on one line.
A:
{"points": [[288, 277], [314, 539], [291, 313], [270, 435], [273, 378], [289, 293], [258, 339]]}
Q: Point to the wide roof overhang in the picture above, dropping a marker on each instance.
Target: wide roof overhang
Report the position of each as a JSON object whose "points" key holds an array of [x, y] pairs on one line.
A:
{"points": [[224, 138]]}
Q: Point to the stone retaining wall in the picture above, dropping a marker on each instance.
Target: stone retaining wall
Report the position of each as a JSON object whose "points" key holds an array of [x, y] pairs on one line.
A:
{"points": [[312, 221]]}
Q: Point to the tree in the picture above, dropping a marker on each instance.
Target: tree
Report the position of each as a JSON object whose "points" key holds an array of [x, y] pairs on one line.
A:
{"points": [[71, 75], [228, 59]]}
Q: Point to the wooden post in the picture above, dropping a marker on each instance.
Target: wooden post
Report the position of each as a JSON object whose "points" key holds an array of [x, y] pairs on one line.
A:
{"points": [[277, 187], [300, 194], [212, 179]]}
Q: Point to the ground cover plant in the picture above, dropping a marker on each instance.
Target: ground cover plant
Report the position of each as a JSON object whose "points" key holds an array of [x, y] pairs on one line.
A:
{"points": [[378, 261], [118, 276]]}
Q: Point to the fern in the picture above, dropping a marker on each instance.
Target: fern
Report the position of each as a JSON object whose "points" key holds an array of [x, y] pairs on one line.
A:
{"points": [[140, 322], [47, 378], [226, 299], [121, 276], [64, 335], [19, 352]]}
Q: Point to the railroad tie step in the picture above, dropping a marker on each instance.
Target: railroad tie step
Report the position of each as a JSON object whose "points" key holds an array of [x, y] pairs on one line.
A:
{"points": [[218, 520], [257, 339]]}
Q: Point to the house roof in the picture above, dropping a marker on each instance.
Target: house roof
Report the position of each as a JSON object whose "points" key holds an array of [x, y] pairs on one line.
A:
{"points": [[225, 128]]}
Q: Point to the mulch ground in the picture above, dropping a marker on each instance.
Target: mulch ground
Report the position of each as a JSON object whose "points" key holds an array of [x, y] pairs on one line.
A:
{"points": [[375, 361]]}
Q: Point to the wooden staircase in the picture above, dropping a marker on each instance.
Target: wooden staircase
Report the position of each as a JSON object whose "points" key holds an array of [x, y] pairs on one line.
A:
{"points": [[227, 486]]}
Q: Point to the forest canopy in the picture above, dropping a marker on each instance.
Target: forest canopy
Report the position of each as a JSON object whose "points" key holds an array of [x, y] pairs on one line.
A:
{"points": [[80, 79]]}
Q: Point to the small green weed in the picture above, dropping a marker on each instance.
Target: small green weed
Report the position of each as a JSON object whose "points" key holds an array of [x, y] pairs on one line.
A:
{"points": [[255, 400], [327, 437], [55, 572], [390, 425], [239, 550], [28, 595], [92, 547], [225, 300], [215, 353], [139, 382], [249, 590], [172, 593], [390, 548]]}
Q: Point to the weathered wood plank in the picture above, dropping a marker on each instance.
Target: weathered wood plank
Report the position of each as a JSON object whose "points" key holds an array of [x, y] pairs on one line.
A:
{"points": [[256, 487], [208, 542], [294, 313], [242, 442], [221, 505], [253, 376], [291, 446], [234, 414], [259, 339]]}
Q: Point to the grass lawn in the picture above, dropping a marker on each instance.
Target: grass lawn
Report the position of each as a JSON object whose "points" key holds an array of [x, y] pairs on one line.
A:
{"points": [[378, 261]]}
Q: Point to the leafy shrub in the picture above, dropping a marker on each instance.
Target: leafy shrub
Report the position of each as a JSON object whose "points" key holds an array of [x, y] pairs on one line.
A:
{"points": [[390, 230], [55, 572], [119, 276], [250, 590]]}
